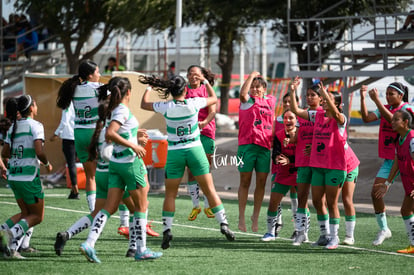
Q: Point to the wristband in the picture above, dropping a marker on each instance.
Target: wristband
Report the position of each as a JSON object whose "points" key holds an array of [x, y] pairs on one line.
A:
{"points": [[205, 81], [47, 164], [387, 183], [148, 88]]}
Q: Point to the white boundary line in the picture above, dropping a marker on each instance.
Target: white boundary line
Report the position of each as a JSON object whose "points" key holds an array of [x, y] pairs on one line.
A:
{"points": [[237, 232], [48, 195]]}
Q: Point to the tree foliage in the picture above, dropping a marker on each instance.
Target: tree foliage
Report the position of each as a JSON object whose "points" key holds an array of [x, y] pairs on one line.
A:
{"points": [[73, 22]]}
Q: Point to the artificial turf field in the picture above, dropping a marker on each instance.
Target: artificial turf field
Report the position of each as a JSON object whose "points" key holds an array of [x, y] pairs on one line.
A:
{"points": [[199, 248]]}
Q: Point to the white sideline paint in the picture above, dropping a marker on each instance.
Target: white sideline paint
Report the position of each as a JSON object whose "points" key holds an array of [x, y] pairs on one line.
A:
{"points": [[213, 229], [49, 195]]}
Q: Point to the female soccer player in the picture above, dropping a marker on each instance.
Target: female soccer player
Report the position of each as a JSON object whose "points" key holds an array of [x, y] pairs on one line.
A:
{"points": [[278, 125], [404, 162], [328, 162], [302, 157], [256, 117], [397, 97], [23, 151], [283, 156], [184, 146], [81, 89], [126, 172], [207, 125]]}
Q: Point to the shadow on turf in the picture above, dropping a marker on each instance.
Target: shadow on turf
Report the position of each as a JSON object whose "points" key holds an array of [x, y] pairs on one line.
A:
{"points": [[245, 245]]}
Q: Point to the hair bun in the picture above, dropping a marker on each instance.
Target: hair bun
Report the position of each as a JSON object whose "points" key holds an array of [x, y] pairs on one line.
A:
{"points": [[179, 82]]}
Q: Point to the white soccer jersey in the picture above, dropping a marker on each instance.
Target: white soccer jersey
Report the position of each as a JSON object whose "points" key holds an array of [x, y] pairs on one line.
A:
{"points": [[23, 162], [128, 130], [182, 121], [85, 102], [102, 165]]}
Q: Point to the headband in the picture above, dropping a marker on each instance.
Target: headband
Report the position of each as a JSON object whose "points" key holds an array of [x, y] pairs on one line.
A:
{"points": [[29, 102], [396, 88]]}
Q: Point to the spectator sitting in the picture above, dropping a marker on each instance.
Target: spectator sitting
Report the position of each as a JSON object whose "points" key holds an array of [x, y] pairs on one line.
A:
{"points": [[9, 33], [113, 66], [27, 39]]}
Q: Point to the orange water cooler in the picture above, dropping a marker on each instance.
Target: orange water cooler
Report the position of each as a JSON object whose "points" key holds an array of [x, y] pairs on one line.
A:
{"points": [[156, 158], [80, 176]]}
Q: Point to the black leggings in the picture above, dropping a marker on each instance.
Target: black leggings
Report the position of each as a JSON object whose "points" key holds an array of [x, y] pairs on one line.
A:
{"points": [[68, 147]]}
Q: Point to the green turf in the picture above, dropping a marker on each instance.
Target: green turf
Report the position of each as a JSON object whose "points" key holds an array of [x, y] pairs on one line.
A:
{"points": [[199, 248]]}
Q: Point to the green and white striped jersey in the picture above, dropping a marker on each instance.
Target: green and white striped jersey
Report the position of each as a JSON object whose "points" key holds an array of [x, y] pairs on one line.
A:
{"points": [[128, 130], [102, 165], [85, 102], [182, 121], [23, 163]]}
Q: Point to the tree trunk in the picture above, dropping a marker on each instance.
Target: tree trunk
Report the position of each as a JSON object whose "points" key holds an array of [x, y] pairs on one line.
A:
{"points": [[73, 65]]}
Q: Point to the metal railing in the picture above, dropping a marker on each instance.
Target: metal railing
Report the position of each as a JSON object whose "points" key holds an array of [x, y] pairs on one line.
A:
{"points": [[374, 50], [15, 64]]}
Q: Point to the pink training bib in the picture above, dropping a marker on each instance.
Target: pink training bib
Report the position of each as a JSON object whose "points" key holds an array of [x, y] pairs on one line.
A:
{"points": [[327, 145], [286, 174], [386, 144], [210, 129], [352, 160], [255, 123], [406, 163]]}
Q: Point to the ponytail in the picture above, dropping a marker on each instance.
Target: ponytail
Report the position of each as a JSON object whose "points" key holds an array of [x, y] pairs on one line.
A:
{"points": [[338, 101], [93, 146], [118, 87], [115, 99], [174, 86], [11, 109], [66, 92]]}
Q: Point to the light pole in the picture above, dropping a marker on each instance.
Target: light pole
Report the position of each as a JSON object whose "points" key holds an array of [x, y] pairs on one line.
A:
{"points": [[178, 20]]}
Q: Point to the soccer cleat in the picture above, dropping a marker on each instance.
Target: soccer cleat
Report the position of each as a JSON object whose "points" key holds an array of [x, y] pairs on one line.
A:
{"points": [[131, 253], [268, 237], [408, 250], [382, 236], [333, 243], [209, 213], [73, 196], [150, 231], [225, 230], [61, 239], [15, 255], [147, 255], [194, 213], [27, 250], [278, 228], [166, 238], [294, 235], [348, 240], [300, 238], [89, 252], [322, 241], [4, 243], [124, 231]]}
